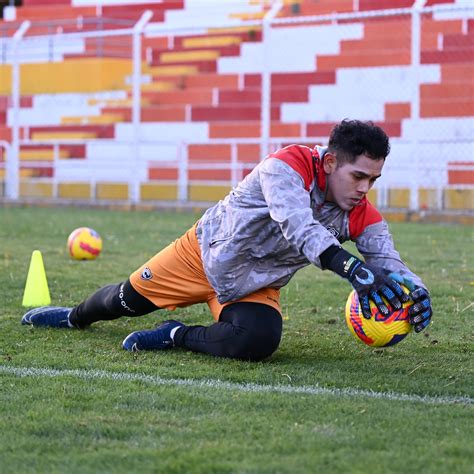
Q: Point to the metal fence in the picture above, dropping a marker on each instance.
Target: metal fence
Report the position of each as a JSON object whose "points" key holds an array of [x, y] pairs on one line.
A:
{"points": [[391, 81]]}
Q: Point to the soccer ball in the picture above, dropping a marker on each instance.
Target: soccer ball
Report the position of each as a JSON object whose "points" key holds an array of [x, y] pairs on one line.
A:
{"points": [[84, 243], [379, 330]]}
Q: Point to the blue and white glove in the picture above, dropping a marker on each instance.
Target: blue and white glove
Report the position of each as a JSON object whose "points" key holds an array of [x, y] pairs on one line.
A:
{"points": [[370, 283], [420, 312]]}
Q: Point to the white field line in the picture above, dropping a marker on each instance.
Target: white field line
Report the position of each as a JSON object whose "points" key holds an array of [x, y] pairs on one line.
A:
{"points": [[243, 387]]}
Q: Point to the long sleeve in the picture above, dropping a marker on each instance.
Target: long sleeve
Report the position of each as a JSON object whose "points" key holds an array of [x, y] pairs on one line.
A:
{"points": [[289, 205], [375, 243]]}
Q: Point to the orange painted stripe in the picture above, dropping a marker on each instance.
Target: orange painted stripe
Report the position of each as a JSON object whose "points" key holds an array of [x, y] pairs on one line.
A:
{"points": [[380, 46], [213, 80], [363, 60], [248, 153], [461, 176], [397, 111], [395, 27], [163, 114], [210, 174], [447, 91], [53, 11], [322, 129], [285, 130], [209, 152], [234, 130], [199, 96], [457, 72], [450, 108], [156, 173], [317, 8], [160, 42], [5, 134], [428, 25]]}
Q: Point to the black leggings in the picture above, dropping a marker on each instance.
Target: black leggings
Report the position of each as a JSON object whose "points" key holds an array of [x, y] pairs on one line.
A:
{"points": [[249, 331]]}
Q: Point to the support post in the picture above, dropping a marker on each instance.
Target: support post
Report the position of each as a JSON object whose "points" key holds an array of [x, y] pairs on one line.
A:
{"points": [[12, 182], [266, 102], [135, 172], [415, 103]]}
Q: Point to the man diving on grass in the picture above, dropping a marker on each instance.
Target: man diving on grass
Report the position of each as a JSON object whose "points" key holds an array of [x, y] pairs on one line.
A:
{"points": [[296, 208]]}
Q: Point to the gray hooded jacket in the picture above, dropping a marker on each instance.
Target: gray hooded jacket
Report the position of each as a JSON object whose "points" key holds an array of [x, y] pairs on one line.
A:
{"points": [[276, 221]]}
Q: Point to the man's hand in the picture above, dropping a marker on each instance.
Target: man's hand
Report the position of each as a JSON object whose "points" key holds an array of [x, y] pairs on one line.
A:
{"points": [[372, 283], [420, 312]]}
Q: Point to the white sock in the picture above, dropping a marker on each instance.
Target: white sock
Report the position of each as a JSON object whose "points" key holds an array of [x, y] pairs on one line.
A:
{"points": [[68, 321]]}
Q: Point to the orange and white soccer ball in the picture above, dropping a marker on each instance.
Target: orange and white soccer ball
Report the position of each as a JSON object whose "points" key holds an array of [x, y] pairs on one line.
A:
{"points": [[84, 243], [379, 330]]}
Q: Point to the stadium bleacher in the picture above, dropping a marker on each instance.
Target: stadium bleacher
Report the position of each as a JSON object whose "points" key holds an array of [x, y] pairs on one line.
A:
{"points": [[206, 84]]}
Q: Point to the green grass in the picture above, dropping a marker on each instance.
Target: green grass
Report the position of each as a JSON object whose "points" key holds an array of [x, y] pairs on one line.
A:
{"points": [[69, 424]]}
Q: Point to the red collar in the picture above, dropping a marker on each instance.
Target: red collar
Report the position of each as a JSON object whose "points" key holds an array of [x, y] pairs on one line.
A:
{"points": [[319, 170]]}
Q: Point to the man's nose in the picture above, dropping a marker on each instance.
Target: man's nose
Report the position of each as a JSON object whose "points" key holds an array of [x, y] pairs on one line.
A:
{"points": [[363, 186]]}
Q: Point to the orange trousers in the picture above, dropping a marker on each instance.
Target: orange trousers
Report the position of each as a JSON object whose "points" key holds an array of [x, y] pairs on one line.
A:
{"points": [[175, 278]]}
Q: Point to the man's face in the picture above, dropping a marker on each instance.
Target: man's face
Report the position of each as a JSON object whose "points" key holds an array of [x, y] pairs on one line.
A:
{"points": [[350, 182]]}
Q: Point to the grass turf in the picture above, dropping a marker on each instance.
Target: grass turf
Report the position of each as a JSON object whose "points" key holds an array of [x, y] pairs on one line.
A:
{"points": [[66, 424]]}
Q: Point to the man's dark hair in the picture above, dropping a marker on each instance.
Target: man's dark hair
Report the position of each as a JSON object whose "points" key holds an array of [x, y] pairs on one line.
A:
{"points": [[352, 138]]}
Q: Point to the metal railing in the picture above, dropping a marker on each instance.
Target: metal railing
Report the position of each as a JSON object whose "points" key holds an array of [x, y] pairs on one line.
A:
{"points": [[270, 23], [134, 174]]}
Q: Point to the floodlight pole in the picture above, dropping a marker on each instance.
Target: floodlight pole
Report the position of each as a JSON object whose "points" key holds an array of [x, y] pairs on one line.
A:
{"points": [[134, 189], [12, 184], [266, 101]]}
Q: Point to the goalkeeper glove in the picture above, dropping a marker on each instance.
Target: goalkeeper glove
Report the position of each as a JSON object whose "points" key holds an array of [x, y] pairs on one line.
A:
{"points": [[420, 312], [370, 283]]}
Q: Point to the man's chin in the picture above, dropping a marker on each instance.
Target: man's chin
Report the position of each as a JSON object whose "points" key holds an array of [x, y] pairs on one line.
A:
{"points": [[348, 206]]}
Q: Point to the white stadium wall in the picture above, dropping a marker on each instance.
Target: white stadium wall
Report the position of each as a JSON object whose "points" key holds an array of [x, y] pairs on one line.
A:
{"points": [[222, 116]]}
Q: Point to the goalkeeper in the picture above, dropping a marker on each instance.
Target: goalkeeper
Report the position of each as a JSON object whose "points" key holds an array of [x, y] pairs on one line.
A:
{"points": [[294, 209]]}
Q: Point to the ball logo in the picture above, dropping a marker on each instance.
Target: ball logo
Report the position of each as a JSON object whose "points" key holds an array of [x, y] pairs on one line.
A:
{"points": [[146, 274], [88, 248]]}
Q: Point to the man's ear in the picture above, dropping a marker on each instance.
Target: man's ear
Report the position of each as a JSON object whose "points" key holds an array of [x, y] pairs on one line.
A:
{"points": [[329, 163]]}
